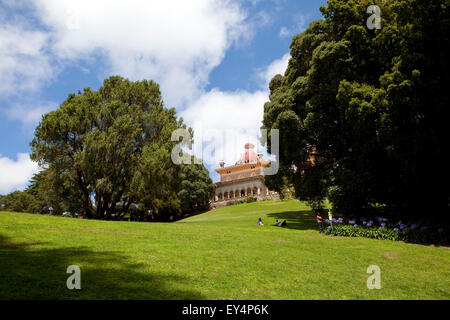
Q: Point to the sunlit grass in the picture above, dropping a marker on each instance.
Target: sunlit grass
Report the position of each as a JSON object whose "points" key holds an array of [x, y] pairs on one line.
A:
{"points": [[221, 254]]}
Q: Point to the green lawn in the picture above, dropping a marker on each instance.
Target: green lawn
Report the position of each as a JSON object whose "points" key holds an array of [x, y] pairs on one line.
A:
{"points": [[222, 254]]}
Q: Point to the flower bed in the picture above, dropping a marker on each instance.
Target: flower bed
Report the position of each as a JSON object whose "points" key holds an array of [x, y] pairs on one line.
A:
{"points": [[382, 228]]}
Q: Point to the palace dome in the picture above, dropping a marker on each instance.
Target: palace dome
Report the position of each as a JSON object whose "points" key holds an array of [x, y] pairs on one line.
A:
{"points": [[249, 155], [249, 145]]}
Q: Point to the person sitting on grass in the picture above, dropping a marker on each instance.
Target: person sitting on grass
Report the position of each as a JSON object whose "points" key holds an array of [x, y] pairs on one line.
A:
{"points": [[280, 224], [260, 223]]}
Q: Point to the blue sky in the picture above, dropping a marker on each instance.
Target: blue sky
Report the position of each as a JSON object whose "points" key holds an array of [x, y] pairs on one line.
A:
{"points": [[212, 58]]}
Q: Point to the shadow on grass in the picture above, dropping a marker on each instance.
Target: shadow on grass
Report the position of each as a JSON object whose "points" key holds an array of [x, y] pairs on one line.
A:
{"points": [[299, 220], [31, 272]]}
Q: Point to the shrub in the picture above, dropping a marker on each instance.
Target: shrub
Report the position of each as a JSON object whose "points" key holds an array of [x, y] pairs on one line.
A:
{"points": [[373, 233], [380, 229], [241, 201], [250, 199]]}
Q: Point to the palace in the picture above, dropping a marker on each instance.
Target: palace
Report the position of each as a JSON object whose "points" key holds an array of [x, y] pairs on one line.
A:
{"points": [[242, 180]]}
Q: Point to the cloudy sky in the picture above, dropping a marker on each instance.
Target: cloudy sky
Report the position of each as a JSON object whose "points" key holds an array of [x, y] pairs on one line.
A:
{"points": [[212, 58]]}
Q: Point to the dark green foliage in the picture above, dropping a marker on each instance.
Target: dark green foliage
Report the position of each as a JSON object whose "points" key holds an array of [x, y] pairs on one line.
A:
{"points": [[56, 191], [18, 201], [373, 233], [363, 114], [413, 236], [196, 188], [45, 190]]}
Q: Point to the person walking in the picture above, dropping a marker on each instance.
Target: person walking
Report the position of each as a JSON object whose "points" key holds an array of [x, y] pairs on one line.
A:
{"points": [[320, 222]]}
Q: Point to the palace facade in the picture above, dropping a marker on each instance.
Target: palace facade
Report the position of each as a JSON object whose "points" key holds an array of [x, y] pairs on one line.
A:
{"points": [[244, 179]]}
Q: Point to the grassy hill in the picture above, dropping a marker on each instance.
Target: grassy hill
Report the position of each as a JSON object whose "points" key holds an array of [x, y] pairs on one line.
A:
{"points": [[221, 254]]}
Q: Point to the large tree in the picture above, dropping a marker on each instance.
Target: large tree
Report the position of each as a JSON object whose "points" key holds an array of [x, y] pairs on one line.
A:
{"points": [[55, 190], [112, 148], [363, 114], [196, 188]]}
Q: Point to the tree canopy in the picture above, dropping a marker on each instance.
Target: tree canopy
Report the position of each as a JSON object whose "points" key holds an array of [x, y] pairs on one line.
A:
{"points": [[17, 201], [195, 187], [363, 113]]}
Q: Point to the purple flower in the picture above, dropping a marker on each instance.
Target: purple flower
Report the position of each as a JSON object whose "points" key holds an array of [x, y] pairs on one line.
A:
{"points": [[329, 227], [364, 222], [383, 225], [413, 226], [355, 225], [352, 222], [395, 229], [370, 223], [440, 230]]}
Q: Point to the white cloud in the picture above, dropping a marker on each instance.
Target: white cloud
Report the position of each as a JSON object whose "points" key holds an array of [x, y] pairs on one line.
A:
{"points": [[299, 25], [15, 174], [284, 32], [227, 120], [176, 43], [28, 114], [230, 110], [24, 65], [276, 67]]}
